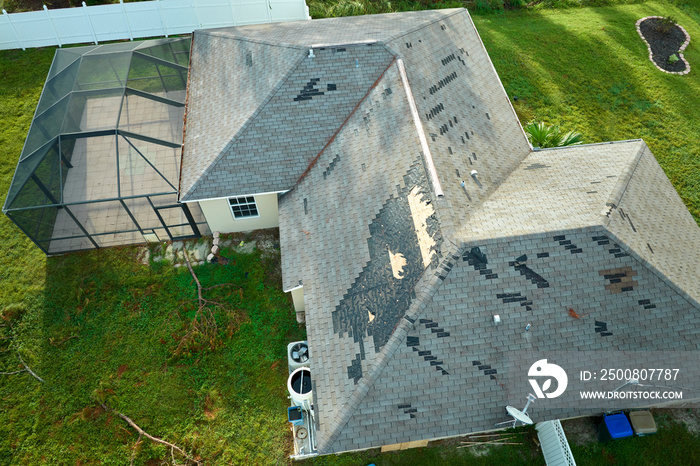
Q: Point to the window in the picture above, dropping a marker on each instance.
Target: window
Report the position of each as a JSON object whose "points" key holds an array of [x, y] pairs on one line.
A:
{"points": [[243, 207]]}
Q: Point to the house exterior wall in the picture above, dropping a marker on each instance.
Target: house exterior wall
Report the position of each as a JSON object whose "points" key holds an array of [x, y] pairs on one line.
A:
{"points": [[219, 216], [298, 298]]}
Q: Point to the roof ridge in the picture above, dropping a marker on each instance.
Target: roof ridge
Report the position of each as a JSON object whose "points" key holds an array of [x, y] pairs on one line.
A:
{"points": [[185, 196], [248, 39], [429, 284], [623, 182], [419, 27], [605, 143]]}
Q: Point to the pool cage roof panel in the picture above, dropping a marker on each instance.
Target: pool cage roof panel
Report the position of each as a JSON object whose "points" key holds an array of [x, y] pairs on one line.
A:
{"points": [[110, 119]]}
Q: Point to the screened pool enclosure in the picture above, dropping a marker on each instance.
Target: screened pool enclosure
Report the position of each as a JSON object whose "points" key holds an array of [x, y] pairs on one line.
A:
{"points": [[101, 162]]}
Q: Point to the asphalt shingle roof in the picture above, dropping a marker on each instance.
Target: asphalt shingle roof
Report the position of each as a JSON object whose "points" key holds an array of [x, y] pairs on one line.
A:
{"points": [[400, 283], [260, 109], [436, 385], [324, 225]]}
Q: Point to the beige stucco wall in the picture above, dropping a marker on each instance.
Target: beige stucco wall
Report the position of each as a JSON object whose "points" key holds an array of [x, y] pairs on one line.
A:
{"points": [[219, 216], [298, 298], [299, 305]]}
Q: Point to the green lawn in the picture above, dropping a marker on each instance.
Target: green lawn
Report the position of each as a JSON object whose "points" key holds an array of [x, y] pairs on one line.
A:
{"points": [[104, 325], [587, 70]]}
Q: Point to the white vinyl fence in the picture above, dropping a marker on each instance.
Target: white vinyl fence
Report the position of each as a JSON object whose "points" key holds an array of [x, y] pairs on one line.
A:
{"points": [[555, 446], [140, 19]]}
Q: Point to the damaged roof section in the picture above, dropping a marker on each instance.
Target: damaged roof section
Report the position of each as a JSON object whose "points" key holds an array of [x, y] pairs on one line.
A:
{"points": [[287, 121], [401, 274], [455, 370], [465, 113], [649, 218], [361, 231]]}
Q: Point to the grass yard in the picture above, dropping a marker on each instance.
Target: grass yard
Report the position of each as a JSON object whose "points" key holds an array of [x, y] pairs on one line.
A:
{"points": [[105, 325], [588, 70]]}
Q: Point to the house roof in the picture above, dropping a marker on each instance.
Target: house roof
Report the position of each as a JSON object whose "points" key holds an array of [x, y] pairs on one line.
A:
{"points": [[404, 256], [260, 110]]}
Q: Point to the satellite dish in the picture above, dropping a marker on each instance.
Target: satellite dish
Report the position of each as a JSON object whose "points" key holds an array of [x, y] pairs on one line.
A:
{"points": [[519, 416]]}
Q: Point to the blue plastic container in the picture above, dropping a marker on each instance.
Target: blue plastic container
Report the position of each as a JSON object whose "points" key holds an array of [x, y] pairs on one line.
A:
{"points": [[295, 415], [618, 426]]}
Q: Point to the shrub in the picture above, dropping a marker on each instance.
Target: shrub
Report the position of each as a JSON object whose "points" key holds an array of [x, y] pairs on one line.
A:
{"points": [[515, 3], [489, 5], [543, 136]]}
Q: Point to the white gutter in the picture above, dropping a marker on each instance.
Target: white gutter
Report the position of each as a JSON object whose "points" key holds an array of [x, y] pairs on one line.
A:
{"points": [[420, 131], [233, 195]]}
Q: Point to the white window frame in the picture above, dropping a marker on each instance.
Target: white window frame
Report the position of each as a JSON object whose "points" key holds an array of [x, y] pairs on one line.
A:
{"points": [[246, 203]]}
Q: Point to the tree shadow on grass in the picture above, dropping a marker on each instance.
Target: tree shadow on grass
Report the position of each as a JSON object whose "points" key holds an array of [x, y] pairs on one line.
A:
{"points": [[593, 80]]}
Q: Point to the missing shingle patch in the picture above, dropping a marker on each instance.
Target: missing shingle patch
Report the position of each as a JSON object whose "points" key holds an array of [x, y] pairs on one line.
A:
{"points": [[448, 59], [485, 368], [442, 83], [249, 59], [646, 303], [355, 369], [620, 279], [331, 166], [377, 289], [628, 218], [602, 329], [477, 259], [397, 262], [435, 111], [536, 166], [534, 277], [309, 91], [421, 211]]}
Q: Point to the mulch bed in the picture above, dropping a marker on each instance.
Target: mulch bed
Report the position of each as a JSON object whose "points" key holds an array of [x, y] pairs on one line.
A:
{"points": [[662, 46]]}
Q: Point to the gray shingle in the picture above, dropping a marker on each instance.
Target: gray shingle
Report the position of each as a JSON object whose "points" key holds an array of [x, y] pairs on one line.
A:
{"points": [[398, 305]]}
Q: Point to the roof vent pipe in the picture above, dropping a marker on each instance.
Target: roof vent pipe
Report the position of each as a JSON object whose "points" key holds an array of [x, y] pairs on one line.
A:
{"points": [[475, 175], [311, 53]]}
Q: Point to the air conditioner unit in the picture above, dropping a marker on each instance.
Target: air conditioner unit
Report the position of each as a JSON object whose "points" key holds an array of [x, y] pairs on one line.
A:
{"points": [[297, 355]]}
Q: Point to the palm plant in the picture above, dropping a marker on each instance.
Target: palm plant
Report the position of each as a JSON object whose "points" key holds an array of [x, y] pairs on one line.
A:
{"points": [[543, 136]]}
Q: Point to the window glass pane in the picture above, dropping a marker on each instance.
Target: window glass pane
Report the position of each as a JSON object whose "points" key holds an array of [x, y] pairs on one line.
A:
{"points": [[243, 207]]}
